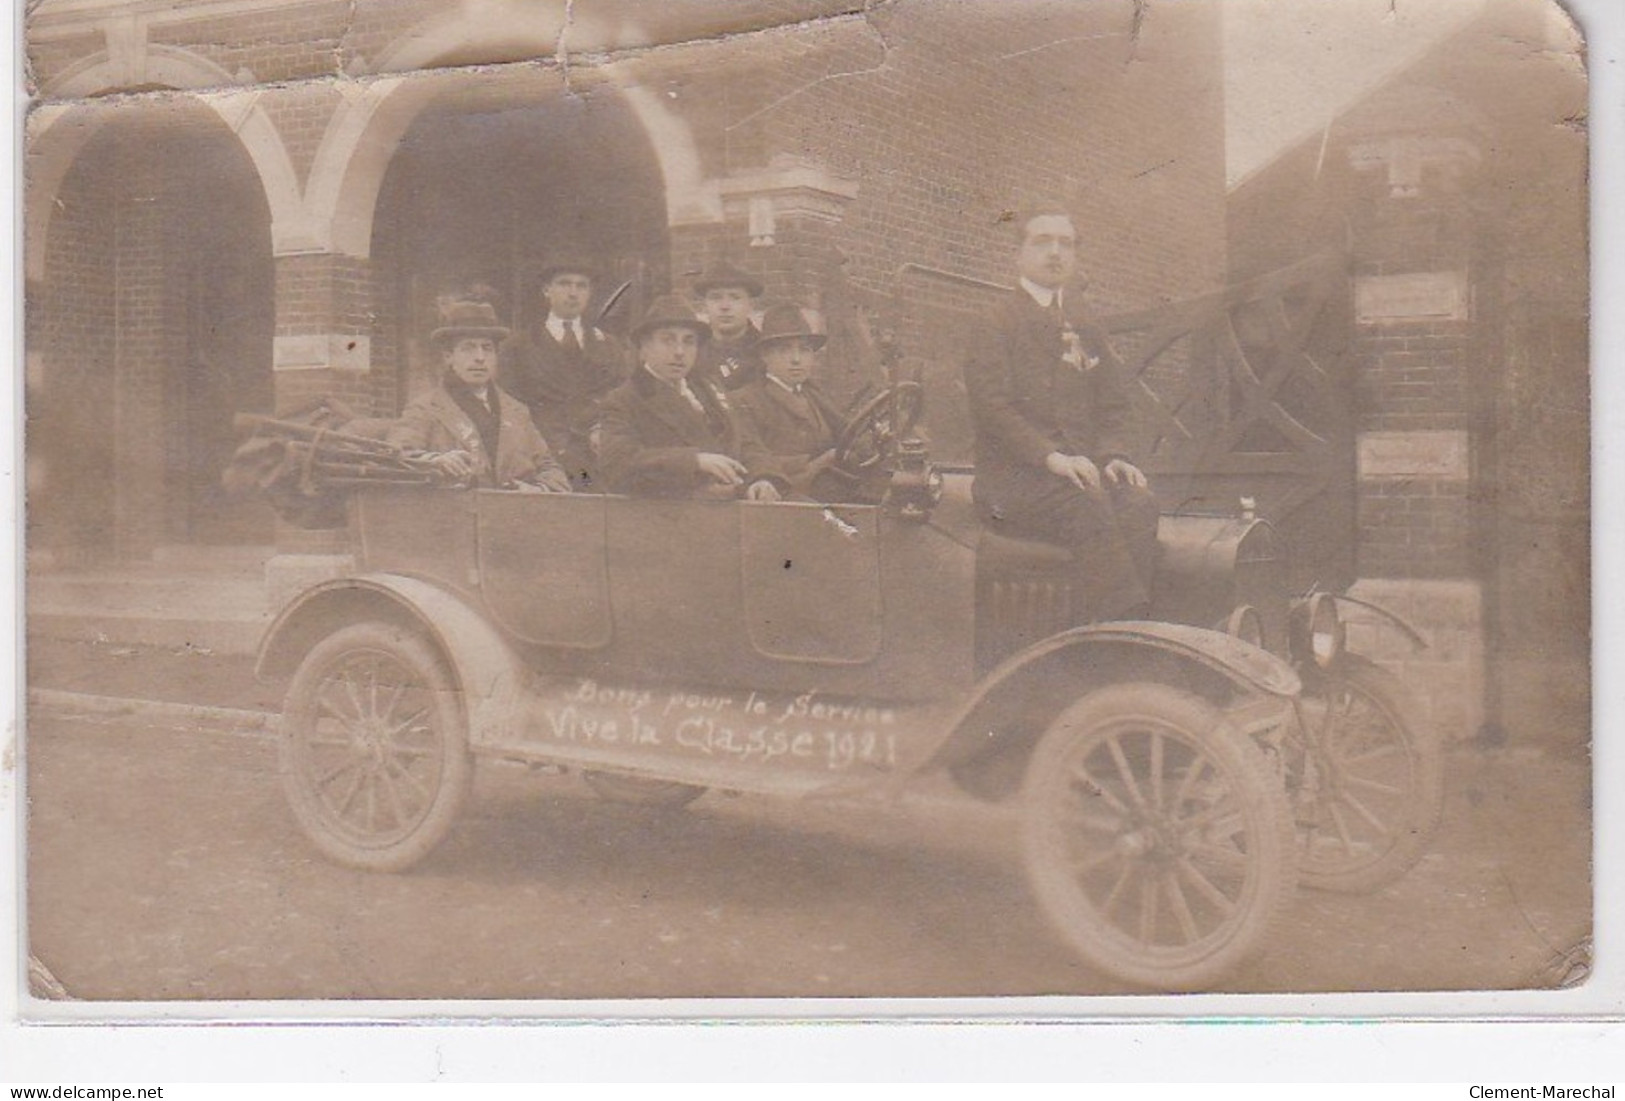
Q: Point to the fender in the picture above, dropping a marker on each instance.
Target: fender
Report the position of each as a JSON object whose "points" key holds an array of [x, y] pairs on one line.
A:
{"points": [[1412, 635], [1254, 671], [487, 669]]}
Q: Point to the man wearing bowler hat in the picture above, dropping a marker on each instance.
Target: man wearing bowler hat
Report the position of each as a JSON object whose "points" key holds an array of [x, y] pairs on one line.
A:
{"points": [[474, 431], [730, 359], [666, 433], [564, 366], [796, 423], [1053, 424]]}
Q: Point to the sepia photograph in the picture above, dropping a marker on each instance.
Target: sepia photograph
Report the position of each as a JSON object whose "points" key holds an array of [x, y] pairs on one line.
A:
{"points": [[552, 502]]}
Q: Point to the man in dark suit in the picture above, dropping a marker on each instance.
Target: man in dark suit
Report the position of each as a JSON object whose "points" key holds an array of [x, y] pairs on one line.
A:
{"points": [[665, 433], [563, 368], [731, 358], [474, 431], [794, 420], [1053, 421]]}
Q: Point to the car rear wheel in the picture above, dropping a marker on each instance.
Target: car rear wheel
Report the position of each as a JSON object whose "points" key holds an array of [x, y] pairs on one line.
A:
{"points": [[1157, 839], [1367, 780], [374, 750], [640, 792]]}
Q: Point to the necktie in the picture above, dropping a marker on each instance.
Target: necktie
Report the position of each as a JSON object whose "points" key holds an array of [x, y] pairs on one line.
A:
{"points": [[570, 342], [693, 399]]}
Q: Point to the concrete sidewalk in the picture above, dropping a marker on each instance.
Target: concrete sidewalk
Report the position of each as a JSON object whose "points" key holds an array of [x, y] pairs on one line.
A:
{"points": [[198, 598]]}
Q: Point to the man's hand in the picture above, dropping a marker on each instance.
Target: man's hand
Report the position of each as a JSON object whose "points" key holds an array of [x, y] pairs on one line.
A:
{"points": [[1076, 469], [553, 481], [819, 464], [458, 465], [722, 469], [763, 491], [1122, 472]]}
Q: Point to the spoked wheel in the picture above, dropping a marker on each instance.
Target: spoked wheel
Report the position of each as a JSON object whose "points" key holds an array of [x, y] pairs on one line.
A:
{"points": [[640, 792], [1157, 839], [375, 759], [1368, 782]]}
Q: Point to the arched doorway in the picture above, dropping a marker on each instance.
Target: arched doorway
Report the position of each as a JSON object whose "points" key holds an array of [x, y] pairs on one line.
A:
{"points": [[488, 185], [151, 324]]}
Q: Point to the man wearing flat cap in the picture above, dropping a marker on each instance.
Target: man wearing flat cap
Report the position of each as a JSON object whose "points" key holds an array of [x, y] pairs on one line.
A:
{"points": [[474, 431], [796, 423], [730, 359], [666, 433], [563, 368], [1053, 424]]}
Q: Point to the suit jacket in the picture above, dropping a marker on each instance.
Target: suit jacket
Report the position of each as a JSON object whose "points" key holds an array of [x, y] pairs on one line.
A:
{"points": [[730, 366], [562, 387], [433, 421], [1027, 400], [652, 437], [794, 432]]}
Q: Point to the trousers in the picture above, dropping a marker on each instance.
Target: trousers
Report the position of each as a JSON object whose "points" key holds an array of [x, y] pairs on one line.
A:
{"points": [[1110, 532]]}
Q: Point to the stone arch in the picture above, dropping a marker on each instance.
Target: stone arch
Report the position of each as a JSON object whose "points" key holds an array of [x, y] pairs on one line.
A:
{"points": [[58, 132], [361, 138]]}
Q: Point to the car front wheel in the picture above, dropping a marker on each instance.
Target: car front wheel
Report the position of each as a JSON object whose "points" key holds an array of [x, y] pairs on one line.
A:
{"points": [[374, 749], [1157, 839], [1367, 778]]}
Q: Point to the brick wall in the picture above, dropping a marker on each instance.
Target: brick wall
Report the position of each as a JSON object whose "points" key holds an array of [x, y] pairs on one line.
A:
{"points": [[947, 117], [294, 40], [328, 298], [70, 412], [301, 114], [145, 334], [48, 60]]}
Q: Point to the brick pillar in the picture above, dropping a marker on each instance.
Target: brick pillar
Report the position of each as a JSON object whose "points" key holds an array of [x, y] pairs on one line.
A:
{"points": [[1413, 240], [781, 222], [325, 309]]}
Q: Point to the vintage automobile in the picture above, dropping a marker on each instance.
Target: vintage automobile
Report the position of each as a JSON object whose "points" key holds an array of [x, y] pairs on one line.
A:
{"points": [[1176, 777]]}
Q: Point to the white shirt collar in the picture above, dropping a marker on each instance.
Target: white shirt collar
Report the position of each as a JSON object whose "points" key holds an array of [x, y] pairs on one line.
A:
{"points": [[556, 324], [682, 387], [785, 385], [1042, 295]]}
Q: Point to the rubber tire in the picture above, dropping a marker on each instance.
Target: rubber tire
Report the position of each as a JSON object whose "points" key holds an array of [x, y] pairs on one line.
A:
{"points": [[640, 792], [1421, 799], [443, 779], [1244, 778]]}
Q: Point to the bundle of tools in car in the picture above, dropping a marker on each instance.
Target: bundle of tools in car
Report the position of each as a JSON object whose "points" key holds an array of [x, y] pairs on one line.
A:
{"points": [[304, 463]]}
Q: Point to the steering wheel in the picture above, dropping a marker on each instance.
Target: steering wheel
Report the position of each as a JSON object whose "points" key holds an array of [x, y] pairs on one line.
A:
{"points": [[872, 432]]}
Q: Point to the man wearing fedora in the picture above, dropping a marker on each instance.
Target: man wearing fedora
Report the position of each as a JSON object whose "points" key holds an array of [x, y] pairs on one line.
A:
{"points": [[795, 422], [1053, 422], [730, 359], [475, 432], [563, 368], [667, 433]]}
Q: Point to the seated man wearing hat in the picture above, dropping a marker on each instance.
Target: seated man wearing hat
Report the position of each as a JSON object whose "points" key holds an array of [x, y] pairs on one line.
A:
{"points": [[666, 433], [795, 422], [730, 359], [563, 369], [474, 431]]}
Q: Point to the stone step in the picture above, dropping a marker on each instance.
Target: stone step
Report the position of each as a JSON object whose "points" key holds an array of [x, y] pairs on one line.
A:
{"points": [[215, 634], [221, 608], [140, 595]]}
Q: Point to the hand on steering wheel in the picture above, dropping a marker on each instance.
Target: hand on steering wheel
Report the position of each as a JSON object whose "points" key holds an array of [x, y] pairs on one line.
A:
{"points": [[872, 432]]}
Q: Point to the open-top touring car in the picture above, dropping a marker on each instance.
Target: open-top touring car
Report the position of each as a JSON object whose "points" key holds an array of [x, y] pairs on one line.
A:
{"points": [[1177, 776]]}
